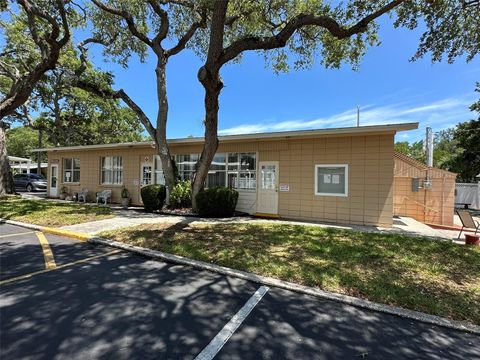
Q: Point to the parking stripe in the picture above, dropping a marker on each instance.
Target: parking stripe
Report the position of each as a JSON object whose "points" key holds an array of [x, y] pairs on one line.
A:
{"points": [[59, 267], [47, 252], [212, 349], [17, 234]]}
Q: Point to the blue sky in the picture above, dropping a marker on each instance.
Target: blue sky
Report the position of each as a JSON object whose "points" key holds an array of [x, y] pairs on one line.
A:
{"points": [[388, 88]]}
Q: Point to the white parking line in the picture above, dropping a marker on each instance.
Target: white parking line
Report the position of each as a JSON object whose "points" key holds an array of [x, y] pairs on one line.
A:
{"points": [[212, 349]]}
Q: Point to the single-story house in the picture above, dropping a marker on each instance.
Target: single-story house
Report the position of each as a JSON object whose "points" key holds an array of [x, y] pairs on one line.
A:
{"points": [[340, 175], [422, 192]]}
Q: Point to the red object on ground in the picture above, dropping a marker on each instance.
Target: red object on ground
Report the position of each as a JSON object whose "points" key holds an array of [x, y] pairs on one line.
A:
{"points": [[472, 239]]}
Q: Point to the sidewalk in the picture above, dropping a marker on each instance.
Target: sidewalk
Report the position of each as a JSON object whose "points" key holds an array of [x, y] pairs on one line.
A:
{"points": [[127, 218]]}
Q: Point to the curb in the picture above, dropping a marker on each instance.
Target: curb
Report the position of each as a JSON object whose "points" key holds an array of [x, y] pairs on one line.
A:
{"points": [[264, 280], [345, 299], [50, 230]]}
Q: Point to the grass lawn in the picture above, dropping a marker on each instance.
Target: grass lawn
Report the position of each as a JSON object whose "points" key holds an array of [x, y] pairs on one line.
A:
{"points": [[49, 213], [435, 277]]}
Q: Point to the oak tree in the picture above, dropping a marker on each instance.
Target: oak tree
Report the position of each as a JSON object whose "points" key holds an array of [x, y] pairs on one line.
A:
{"points": [[161, 28], [337, 34], [46, 22]]}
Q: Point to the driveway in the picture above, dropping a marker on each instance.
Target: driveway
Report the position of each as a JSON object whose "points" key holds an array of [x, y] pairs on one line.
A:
{"points": [[61, 298]]}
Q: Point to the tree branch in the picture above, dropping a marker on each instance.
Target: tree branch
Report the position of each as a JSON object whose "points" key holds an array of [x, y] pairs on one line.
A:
{"points": [[164, 22], [128, 19], [302, 20], [22, 88], [182, 42], [118, 94]]}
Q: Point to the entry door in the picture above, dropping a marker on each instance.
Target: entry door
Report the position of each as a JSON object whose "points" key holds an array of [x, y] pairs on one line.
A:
{"points": [[268, 188], [146, 174], [54, 180]]}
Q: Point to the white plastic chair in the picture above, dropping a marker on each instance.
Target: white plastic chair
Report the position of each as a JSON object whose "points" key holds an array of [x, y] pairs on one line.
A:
{"points": [[104, 196], [83, 195]]}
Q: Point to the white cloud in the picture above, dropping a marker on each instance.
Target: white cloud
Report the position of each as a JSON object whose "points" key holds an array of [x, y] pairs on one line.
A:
{"points": [[437, 114]]}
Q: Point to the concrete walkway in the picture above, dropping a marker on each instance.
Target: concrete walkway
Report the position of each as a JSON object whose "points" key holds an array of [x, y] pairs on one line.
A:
{"points": [[123, 218], [127, 218]]}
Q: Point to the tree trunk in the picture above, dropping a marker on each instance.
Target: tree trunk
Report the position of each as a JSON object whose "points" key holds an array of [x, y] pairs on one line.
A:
{"points": [[162, 116], [6, 178], [213, 85], [209, 76]]}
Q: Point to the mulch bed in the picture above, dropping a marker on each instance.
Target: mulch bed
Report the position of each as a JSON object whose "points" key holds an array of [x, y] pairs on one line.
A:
{"points": [[179, 212]]}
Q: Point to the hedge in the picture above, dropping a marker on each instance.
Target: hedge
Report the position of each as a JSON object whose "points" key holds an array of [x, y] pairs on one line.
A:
{"points": [[217, 202], [153, 197]]}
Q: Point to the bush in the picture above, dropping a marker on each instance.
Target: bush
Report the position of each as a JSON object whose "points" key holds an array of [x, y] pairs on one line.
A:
{"points": [[153, 197], [217, 202], [181, 195]]}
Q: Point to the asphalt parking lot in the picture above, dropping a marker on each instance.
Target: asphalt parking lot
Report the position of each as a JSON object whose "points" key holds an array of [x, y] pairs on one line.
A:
{"points": [[61, 298]]}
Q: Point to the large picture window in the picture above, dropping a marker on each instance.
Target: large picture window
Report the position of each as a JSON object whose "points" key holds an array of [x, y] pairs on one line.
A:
{"points": [[236, 170], [186, 165], [331, 180], [71, 170], [217, 174], [112, 170]]}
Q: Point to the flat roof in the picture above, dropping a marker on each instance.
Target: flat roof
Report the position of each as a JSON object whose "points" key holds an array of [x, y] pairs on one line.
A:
{"points": [[17, 158], [354, 130]]}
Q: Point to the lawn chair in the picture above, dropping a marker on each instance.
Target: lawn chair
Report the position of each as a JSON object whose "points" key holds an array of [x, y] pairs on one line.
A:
{"points": [[467, 221], [83, 195], [104, 196]]}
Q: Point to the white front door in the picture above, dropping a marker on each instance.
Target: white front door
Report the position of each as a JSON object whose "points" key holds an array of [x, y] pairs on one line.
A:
{"points": [[54, 180], [268, 188], [146, 175]]}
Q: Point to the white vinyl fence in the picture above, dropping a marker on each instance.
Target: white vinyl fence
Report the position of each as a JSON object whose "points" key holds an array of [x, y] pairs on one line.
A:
{"points": [[468, 193]]}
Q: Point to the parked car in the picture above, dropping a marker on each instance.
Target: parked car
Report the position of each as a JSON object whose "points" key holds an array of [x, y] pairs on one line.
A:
{"points": [[30, 182]]}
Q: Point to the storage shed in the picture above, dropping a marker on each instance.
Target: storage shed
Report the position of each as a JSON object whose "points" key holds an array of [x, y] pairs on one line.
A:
{"points": [[424, 193]]}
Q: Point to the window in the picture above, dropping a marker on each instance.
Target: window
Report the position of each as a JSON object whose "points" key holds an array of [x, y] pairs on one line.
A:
{"points": [[159, 177], [235, 170], [331, 180], [71, 170], [217, 174], [112, 170], [186, 165], [242, 172]]}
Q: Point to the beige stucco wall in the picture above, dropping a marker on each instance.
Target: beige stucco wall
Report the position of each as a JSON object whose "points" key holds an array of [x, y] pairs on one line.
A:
{"points": [[370, 185]]}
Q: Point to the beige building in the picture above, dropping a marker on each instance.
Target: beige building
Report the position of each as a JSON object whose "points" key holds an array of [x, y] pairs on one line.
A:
{"points": [[342, 175], [424, 193]]}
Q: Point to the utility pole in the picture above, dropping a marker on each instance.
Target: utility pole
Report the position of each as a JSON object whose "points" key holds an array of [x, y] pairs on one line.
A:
{"points": [[358, 116], [429, 146]]}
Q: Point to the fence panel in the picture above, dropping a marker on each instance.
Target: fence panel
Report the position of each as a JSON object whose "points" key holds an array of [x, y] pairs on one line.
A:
{"points": [[468, 193]]}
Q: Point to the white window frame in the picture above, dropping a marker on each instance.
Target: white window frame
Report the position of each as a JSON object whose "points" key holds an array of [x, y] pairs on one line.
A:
{"points": [[111, 170], [227, 172], [239, 172], [71, 170], [317, 166]]}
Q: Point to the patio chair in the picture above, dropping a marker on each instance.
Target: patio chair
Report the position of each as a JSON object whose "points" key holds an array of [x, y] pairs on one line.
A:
{"points": [[104, 196], [83, 195], [467, 221]]}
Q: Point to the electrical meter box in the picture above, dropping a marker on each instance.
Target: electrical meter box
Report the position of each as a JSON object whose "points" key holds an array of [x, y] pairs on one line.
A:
{"points": [[427, 184]]}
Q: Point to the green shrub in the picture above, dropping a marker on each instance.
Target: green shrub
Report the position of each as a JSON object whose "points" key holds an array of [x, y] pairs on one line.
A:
{"points": [[181, 195], [153, 197], [217, 202]]}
